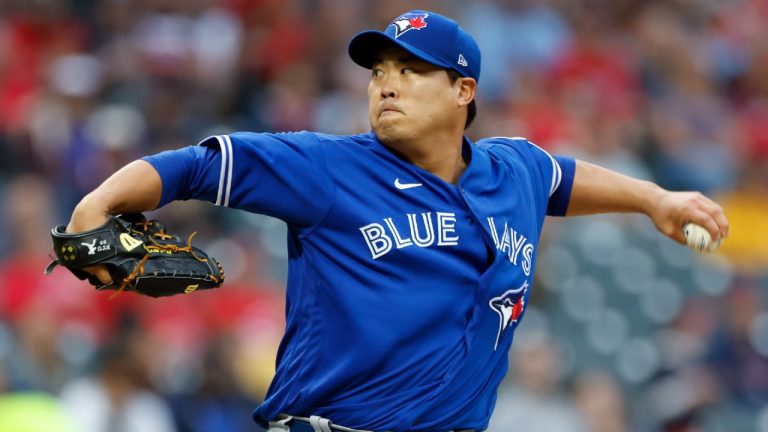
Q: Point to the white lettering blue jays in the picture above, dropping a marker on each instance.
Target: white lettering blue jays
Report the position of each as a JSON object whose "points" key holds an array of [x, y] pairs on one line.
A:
{"points": [[423, 230], [514, 244]]}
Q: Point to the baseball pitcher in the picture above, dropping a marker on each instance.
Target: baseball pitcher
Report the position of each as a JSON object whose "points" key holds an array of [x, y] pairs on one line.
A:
{"points": [[411, 248]]}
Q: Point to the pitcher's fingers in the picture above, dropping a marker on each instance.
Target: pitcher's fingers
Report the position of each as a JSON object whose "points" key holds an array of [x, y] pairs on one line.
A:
{"points": [[679, 236], [101, 273], [716, 212], [706, 221], [722, 222]]}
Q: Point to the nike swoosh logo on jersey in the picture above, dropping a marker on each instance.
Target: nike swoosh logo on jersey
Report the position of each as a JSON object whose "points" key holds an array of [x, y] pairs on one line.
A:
{"points": [[402, 186]]}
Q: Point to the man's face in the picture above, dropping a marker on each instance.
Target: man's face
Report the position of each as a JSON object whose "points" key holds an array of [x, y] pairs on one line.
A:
{"points": [[409, 98]]}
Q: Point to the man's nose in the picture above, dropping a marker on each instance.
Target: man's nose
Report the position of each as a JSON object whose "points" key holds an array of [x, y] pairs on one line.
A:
{"points": [[390, 86]]}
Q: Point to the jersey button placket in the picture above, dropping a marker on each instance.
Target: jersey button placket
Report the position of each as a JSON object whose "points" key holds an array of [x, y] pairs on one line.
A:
{"points": [[473, 218]]}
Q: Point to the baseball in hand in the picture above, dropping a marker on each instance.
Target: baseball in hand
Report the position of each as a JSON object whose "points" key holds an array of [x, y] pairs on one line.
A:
{"points": [[698, 238]]}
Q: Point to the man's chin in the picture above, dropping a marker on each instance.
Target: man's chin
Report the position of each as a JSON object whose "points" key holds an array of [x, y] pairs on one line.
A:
{"points": [[387, 132]]}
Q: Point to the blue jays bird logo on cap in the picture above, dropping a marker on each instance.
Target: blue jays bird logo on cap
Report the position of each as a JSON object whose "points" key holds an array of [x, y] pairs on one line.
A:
{"points": [[509, 306], [409, 22]]}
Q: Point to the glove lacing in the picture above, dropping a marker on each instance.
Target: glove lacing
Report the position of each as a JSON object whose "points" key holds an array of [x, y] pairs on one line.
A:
{"points": [[169, 247]]}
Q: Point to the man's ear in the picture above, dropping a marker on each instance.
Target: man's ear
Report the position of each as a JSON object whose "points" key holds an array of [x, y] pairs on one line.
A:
{"points": [[467, 89]]}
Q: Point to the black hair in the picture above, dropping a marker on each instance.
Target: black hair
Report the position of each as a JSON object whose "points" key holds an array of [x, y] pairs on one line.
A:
{"points": [[472, 108]]}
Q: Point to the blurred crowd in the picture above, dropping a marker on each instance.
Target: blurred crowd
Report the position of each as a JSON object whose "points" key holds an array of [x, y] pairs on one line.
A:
{"points": [[627, 332]]}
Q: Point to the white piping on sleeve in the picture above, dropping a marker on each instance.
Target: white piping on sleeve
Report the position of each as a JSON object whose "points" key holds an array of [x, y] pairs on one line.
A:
{"points": [[222, 172], [557, 174], [228, 188]]}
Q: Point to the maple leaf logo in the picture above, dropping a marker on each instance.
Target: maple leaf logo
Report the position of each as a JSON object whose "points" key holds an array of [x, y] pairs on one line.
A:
{"points": [[418, 23]]}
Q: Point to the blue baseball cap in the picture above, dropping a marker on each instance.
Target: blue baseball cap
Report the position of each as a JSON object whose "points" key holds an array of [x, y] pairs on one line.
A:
{"points": [[427, 35]]}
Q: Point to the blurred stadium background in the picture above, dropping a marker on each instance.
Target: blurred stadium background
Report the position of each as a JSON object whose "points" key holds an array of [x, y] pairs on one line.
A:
{"points": [[627, 331]]}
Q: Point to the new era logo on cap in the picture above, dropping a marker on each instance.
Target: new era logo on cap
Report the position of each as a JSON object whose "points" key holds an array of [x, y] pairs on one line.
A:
{"points": [[437, 39]]}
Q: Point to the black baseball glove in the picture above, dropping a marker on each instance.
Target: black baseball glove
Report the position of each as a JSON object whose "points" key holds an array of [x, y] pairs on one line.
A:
{"points": [[140, 255]]}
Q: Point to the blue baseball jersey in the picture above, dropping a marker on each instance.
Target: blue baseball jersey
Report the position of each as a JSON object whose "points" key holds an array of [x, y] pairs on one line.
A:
{"points": [[403, 290]]}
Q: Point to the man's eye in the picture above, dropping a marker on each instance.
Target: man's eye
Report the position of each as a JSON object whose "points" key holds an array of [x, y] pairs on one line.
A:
{"points": [[406, 70], [376, 72]]}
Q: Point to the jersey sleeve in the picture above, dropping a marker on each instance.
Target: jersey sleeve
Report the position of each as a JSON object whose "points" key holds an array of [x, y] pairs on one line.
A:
{"points": [[560, 194], [280, 175], [552, 175], [556, 176]]}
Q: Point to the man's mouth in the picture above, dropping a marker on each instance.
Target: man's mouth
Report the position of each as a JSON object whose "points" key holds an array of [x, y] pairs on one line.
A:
{"points": [[387, 110]]}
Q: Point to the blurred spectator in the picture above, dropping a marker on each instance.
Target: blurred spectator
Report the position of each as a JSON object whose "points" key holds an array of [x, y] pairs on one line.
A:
{"points": [[735, 353], [117, 398], [692, 127], [516, 37], [218, 405], [600, 401], [28, 208], [686, 387], [535, 400]]}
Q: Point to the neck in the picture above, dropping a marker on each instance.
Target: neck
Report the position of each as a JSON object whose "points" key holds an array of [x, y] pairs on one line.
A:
{"points": [[441, 157]]}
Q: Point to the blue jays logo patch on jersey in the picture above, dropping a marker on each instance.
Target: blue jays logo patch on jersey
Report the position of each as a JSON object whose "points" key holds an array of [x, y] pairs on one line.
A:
{"points": [[409, 22], [509, 306]]}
